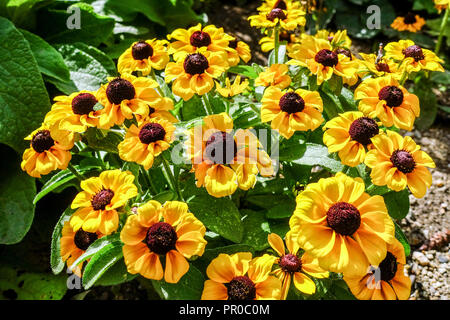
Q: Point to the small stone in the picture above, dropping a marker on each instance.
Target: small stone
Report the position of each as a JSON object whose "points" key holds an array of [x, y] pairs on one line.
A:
{"points": [[430, 256], [420, 257], [443, 259]]}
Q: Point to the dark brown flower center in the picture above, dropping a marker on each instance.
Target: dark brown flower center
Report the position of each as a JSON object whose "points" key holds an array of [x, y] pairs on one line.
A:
{"points": [[220, 148], [415, 52], [241, 288], [233, 44], [141, 50], [161, 238], [343, 218], [363, 129], [388, 267], [382, 67], [327, 58], [195, 64], [280, 4], [102, 199], [285, 36], [200, 39], [151, 132], [403, 161], [83, 103], [42, 141], [84, 239], [291, 102], [290, 263], [392, 95], [410, 18], [276, 13], [120, 89]]}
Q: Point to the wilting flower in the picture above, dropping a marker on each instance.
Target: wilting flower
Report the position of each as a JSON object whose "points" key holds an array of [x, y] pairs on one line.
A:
{"points": [[195, 73], [276, 75], [343, 227], [290, 111], [411, 22], [413, 57], [143, 56], [349, 134], [231, 90], [124, 96], [318, 57], [387, 100], [142, 144], [383, 67], [222, 162], [236, 51], [268, 43], [239, 277], [156, 231], [74, 243], [98, 202], [283, 13], [292, 267], [209, 38], [398, 162], [48, 151], [387, 281]]}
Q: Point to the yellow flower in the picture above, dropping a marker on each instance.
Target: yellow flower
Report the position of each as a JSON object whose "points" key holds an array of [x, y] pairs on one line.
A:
{"points": [[48, 151], [209, 38], [293, 267], [223, 161], [387, 281], [142, 56], [343, 227], [239, 277], [287, 18], [410, 22], [98, 202], [290, 111], [236, 51], [74, 244], [195, 73], [381, 68], [318, 57], [413, 57], [142, 144], [387, 100], [338, 39], [398, 162], [74, 112], [231, 90], [268, 43], [350, 134], [124, 96], [441, 4], [268, 5], [168, 231], [276, 75]]}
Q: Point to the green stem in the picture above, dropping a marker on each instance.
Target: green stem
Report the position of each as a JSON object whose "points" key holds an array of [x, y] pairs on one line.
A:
{"points": [[171, 178], [158, 88], [75, 172], [441, 32], [207, 104], [148, 181], [277, 41], [404, 76]]}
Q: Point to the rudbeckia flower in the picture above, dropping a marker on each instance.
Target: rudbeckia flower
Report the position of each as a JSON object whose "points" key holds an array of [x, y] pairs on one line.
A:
{"points": [[222, 162], [98, 202], [383, 67], [343, 227], [398, 162], [124, 96], [387, 281], [194, 74], [239, 277], [48, 151], [142, 144], [156, 231], [236, 51], [74, 243], [287, 19], [276, 75], [290, 111], [349, 134], [74, 112], [387, 100], [317, 55], [231, 90], [441, 4], [338, 39], [411, 22], [413, 57], [268, 43], [190, 41], [268, 5], [292, 267]]}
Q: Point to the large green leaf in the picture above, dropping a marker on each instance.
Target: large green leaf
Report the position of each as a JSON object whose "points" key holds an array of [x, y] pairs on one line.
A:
{"points": [[189, 287], [56, 262], [402, 238], [219, 215], [23, 98], [397, 203], [256, 229], [316, 154]]}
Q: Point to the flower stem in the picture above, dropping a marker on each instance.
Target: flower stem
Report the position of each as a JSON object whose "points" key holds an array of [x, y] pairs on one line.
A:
{"points": [[158, 88], [75, 172], [171, 178], [148, 181], [441, 32], [277, 42], [207, 104]]}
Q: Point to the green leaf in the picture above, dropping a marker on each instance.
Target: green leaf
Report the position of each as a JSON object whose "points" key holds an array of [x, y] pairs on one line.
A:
{"points": [[293, 148], [189, 287], [282, 210], [256, 229], [316, 154], [165, 196], [219, 215], [56, 262], [115, 275], [397, 203], [246, 71], [23, 98], [210, 254], [95, 139], [400, 236]]}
